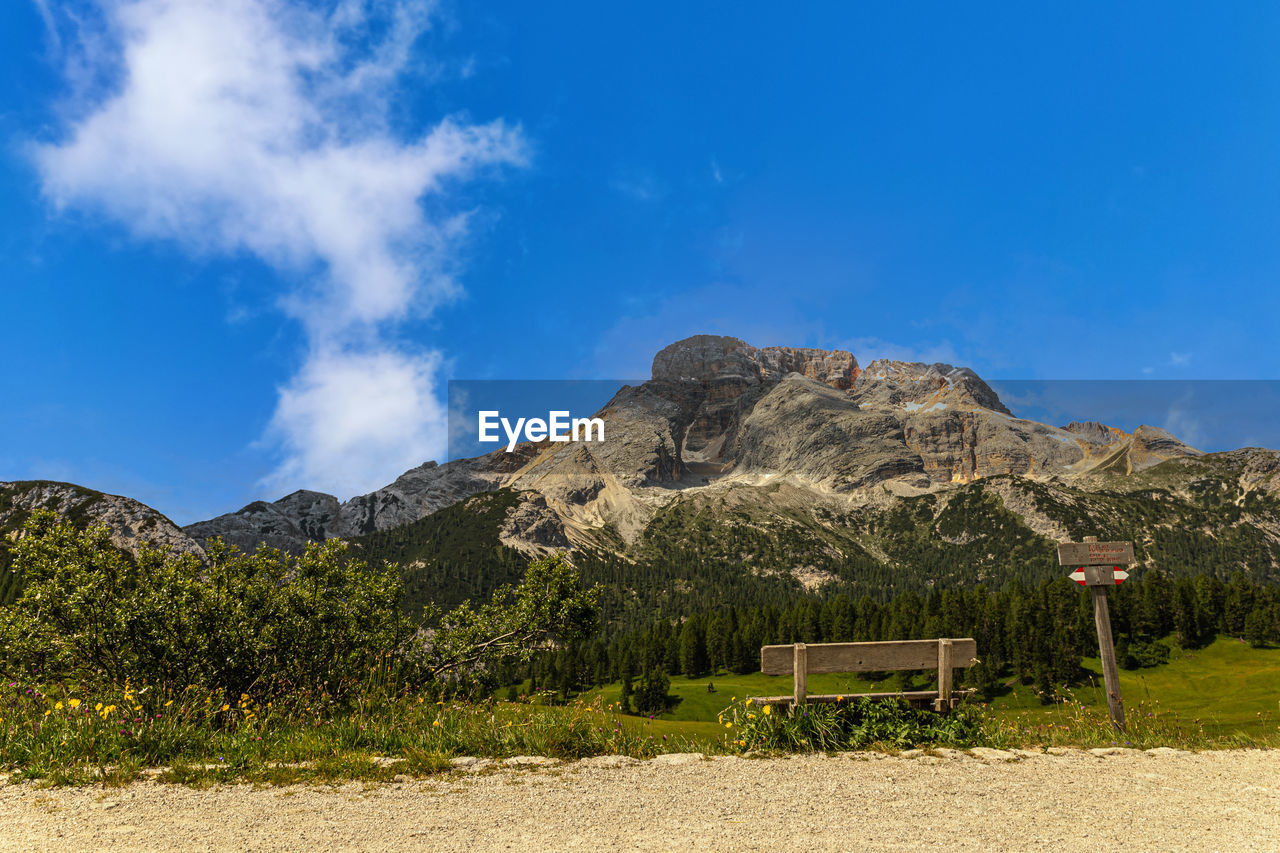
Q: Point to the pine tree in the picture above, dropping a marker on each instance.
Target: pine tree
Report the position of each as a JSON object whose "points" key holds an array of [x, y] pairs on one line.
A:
{"points": [[625, 700], [693, 649], [651, 695]]}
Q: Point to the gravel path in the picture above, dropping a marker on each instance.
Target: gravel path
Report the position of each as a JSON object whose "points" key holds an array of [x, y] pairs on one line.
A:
{"points": [[994, 801]]}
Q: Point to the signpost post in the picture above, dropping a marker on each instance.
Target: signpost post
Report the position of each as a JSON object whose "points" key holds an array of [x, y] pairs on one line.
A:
{"points": [[1100, 564]]}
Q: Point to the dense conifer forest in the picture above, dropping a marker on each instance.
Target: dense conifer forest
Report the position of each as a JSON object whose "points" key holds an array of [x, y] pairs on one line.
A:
{"points": [[1029, 634]]}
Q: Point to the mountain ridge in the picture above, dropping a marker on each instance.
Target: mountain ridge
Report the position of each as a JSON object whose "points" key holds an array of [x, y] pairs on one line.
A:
{"points": [[718, 409]]}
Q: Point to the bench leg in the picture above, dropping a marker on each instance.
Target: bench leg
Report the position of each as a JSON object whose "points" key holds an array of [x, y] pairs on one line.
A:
{"points": [[800, 662], [944, 676]]}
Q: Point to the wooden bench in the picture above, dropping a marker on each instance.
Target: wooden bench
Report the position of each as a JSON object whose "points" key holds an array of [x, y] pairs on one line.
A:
{"points": [[798, 660]]}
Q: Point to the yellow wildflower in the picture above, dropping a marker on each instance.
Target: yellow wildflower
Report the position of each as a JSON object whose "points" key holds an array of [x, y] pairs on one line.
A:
{"points": [[74, 703], [435, 722], [98, 707], [58, 707], [768, 709], [226, 707], [167, 704]]}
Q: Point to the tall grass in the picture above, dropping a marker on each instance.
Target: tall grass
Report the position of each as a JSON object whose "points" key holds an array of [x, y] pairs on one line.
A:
{"points": [[64, 734], [60, 733], [1070, 722]]}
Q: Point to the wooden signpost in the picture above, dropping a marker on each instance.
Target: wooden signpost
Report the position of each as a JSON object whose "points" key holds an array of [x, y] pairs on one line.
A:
{"points": [[1100, 568]]}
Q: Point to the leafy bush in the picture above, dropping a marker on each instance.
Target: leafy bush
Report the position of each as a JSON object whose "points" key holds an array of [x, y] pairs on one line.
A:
{"points": [[264, 623], [469, 649], [1140, 654], [852, 724]]}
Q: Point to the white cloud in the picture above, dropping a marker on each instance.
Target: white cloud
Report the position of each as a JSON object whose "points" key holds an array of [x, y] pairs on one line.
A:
{"points": [[261, 127], [346, 414]]}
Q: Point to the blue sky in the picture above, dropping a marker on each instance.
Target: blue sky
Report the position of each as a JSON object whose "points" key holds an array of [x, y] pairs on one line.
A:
{"points": [[245, 244]]}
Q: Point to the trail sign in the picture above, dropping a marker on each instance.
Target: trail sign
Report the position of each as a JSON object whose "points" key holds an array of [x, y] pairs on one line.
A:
{"points": [[1118, 575], [1095, 553], [1100, 568]]}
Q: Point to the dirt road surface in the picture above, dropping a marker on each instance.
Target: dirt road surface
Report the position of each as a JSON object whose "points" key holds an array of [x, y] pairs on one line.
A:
{"points": [[1227, 801]]}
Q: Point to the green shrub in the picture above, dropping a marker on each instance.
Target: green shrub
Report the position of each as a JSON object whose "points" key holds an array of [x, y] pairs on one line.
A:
{"points": [[1141, 654], [844, 725], [651, 693], [468, 649], [265, 623]]}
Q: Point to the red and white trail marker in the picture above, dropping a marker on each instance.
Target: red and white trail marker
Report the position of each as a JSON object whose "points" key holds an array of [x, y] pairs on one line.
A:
{"points": [[1120, 575], [1100, 568]]}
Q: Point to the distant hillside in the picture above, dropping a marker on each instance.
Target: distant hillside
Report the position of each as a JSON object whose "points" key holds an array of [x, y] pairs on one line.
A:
{"points": [[754, 546], [452, 555], [129, 521]]}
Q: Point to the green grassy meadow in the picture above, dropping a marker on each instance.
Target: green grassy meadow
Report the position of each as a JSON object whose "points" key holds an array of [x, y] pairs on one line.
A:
{"points": [[1225, 689]]}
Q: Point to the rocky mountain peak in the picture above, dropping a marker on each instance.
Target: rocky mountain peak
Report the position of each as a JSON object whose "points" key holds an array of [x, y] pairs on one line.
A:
{"points": [[915, 386], [715, 358], [1095, 432], [720, 414]]}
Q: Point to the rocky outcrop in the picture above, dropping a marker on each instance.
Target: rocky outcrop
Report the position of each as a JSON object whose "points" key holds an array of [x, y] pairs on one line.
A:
{"points": [[805, 429], [1096, 433], [1147, 447], [130, 522], [708, 359], [533, 527], [287, 524], [915, 387]]}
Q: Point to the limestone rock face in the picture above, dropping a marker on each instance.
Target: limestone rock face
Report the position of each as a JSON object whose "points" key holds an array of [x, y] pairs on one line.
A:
{"points": [[130, 522], [715, 381], [711, 359], [532, 526], [806, 429]]}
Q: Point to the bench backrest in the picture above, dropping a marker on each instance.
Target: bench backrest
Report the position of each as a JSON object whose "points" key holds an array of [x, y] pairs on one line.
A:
{"points": [[867, 657]]}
